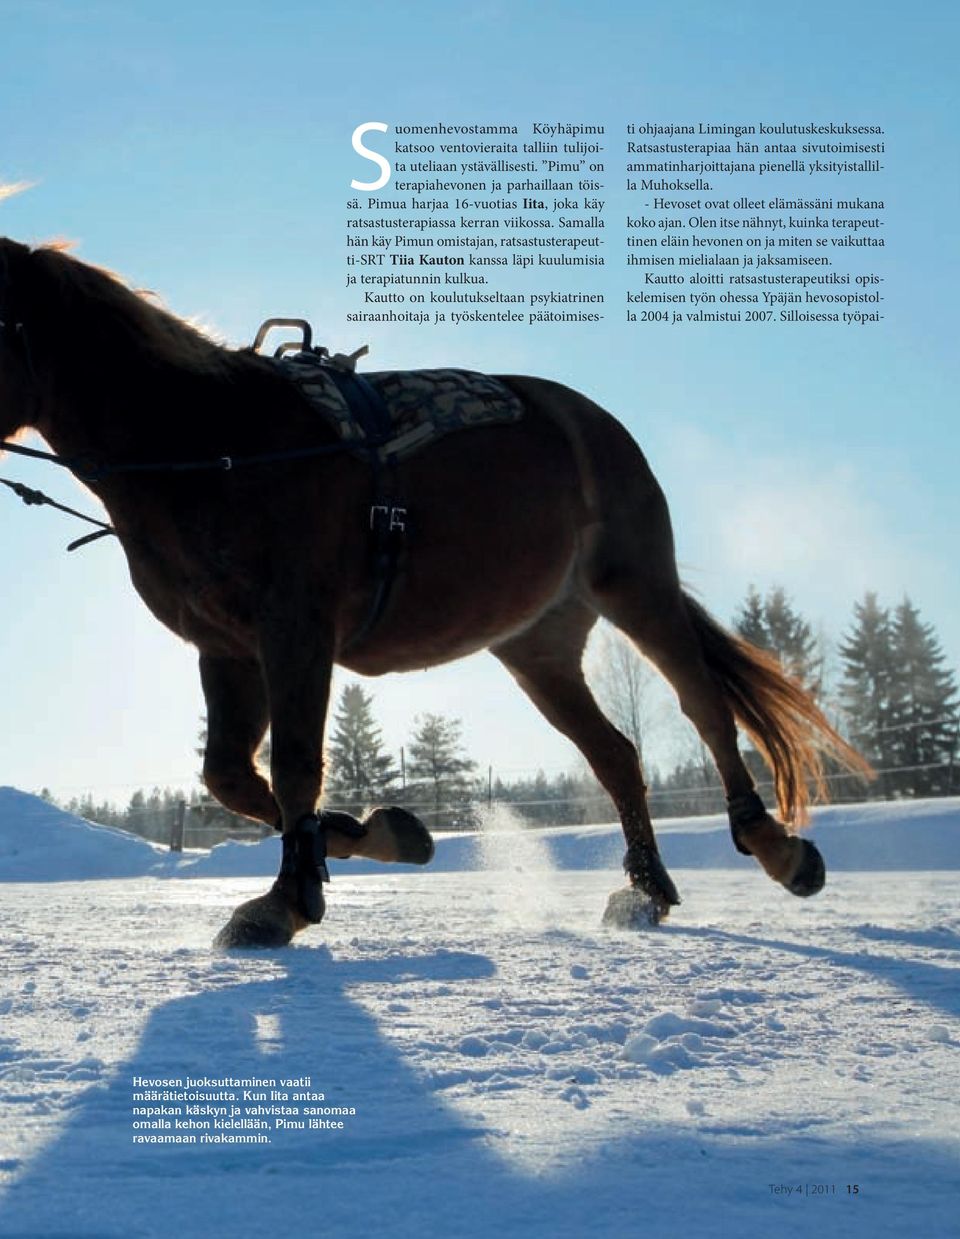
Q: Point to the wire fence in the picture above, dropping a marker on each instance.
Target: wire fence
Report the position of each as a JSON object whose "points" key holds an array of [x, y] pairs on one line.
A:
{"points": [[173, 819]]}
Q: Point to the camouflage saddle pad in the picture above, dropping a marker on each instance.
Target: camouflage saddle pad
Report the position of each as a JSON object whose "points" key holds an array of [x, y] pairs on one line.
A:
{"points": [[396, 412]]}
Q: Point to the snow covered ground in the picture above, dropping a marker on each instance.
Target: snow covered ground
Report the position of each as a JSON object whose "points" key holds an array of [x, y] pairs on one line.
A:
{"points": [[514, 1068]]}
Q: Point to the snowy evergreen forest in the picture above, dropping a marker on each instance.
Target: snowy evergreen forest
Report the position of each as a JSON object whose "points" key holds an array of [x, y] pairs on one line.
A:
{"points": [[885, 685]]}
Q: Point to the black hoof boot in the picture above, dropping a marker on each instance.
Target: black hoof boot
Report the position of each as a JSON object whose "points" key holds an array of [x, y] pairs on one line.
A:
{"points": [[304, 868], [742, 811], [811, 874]]}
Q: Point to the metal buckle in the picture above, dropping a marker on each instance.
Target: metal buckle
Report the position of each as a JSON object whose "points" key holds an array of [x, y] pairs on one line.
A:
{"points": [[394, 518]]}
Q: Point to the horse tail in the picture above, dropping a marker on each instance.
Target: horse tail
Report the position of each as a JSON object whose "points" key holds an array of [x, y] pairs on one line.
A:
{"points": [[786, 725]]}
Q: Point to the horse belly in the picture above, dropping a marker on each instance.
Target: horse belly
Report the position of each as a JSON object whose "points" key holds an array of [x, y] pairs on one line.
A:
{"points": [[492, 545], [435, 622]]}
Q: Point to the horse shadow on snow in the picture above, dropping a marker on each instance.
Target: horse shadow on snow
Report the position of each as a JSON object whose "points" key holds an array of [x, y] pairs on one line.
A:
{"points": [[409, 1163]]}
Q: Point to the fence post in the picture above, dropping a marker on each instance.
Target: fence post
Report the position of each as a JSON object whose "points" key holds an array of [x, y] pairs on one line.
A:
{"points": [[176, 830]]}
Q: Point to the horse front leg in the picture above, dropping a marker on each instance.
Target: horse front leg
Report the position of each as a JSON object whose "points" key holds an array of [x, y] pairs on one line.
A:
{"points": [[237, 717], [297, 669], [296, 661]]}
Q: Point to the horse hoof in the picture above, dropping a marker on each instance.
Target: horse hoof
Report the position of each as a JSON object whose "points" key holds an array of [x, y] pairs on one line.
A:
{"points": [[811, 873], [267, 921], [632, 908], [404, 838]]}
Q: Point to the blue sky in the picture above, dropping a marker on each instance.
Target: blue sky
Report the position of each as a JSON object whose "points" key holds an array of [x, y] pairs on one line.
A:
{"points": [[203, 150]]}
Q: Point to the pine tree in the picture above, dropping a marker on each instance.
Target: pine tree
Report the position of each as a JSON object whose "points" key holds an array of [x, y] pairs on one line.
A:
{"points": [[867, 656], [901, 702], [359, 772], [438, 767], [793, 640], [773, 624], [136, 818], [751, 622], [923, 708]]}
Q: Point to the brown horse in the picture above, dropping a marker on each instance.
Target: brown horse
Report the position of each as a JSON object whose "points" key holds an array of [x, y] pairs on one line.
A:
{"points": [[524, 535]]}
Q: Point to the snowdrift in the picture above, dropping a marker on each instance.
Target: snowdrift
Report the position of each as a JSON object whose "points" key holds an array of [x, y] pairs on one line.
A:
{"points": [[40, 843]]}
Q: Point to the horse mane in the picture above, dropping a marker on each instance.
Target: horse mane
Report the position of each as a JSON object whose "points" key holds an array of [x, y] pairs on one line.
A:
{"points": [[104, 311], [11, 189]]}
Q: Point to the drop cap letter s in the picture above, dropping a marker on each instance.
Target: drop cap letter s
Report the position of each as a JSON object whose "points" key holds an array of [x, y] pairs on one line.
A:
{"points": [[378, 159]]}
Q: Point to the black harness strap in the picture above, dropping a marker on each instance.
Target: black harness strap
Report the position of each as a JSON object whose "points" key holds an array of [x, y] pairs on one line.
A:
{"points": [[89, 470], [364, 402], [388, 514]]}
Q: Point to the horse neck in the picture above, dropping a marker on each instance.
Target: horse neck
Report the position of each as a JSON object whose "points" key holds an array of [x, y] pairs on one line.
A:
{"points": [[121, 381], [124, 407]]}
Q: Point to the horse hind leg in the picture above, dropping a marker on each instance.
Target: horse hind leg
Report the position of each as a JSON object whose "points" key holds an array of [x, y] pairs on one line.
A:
{"points": [[545, 660], [672, 630]]}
